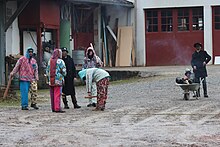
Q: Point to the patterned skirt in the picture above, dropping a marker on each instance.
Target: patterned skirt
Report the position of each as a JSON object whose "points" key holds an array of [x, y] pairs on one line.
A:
{"points": [[102, 91]]}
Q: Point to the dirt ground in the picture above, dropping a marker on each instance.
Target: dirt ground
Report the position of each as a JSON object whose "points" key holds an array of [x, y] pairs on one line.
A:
{"points": [[140, 112]]}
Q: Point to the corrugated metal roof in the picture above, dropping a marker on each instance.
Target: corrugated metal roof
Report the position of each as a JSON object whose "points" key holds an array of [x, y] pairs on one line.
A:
{"points": [[105, 2]]}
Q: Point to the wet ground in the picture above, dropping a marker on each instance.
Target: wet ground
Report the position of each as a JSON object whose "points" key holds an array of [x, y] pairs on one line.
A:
{"points": [[139, 112]]}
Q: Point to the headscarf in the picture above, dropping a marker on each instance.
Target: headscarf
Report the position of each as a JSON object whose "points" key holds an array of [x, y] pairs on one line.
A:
{"points": [[27, 55], [82, 74], [91, 48], [95, 61], [57, 53]]}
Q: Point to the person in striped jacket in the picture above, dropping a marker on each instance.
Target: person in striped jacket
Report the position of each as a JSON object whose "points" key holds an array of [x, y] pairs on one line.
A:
{"points": [[27, 69]]}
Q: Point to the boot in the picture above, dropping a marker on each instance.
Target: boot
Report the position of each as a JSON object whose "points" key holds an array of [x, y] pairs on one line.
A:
{"points": [[91, 105], [61, 111], [34, 106], [198, 93], [76, 106], [24, 108], [205, 89], [206, 95], [65, 102]]}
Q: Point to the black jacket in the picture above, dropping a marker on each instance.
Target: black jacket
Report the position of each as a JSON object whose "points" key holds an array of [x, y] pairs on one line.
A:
{"points": [[69, 87], [197, 60]]}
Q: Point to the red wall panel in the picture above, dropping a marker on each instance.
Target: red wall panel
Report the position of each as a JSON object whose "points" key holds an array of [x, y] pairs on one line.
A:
{"points": [[215, 33], [83, 40], [216, 43], [39, 12], [30, 16], [171, 48], [50, 13]]}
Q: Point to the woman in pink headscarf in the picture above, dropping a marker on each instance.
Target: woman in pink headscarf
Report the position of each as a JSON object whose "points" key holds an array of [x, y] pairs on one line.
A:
{"points": [[56, 70]]}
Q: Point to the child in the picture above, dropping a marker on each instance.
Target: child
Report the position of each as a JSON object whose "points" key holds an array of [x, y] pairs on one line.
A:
{"points": [[187, 79]]}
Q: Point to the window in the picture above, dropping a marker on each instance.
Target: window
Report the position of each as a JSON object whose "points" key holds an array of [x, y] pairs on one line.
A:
{"points": [[197, 16], [152, 21], [183, 19], [178, 19], [166, 21], [217, 18]]}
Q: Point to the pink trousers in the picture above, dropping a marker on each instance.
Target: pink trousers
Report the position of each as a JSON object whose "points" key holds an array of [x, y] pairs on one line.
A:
{"points": [[55, 95]]}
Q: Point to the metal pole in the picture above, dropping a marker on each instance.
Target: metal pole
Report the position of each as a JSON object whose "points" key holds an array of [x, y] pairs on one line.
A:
{"points": [[2, 42]]}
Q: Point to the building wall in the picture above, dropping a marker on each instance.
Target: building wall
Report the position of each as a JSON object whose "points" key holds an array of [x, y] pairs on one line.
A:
{"points": [[12, 34], [141, 5], [125, 17], [97, 32], [30, 40], [122, 13]]}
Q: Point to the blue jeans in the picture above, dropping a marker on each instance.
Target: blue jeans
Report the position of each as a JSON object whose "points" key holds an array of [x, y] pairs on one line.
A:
{"points": [[24, 89]]}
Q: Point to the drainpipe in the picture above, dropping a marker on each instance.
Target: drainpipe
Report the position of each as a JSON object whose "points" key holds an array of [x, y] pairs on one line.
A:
{"points": [[65, 25], [2, 42]]}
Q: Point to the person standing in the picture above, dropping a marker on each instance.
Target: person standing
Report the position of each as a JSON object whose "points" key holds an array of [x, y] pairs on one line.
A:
{"points": [[101, 78], [56, 70], [68, 87], [199, 60], [91, 60], [27, 68], [33, 91]]}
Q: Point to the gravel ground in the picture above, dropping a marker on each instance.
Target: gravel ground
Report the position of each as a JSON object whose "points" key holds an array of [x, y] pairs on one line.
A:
{"points": [[140, 112]]}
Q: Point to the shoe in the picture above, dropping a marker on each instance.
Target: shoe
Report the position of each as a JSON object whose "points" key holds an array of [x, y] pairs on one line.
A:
{"points": [[94, 104], [66, 107], [98, 109], [61, 111], [24, 108], [196, 95], [34, 106], [89, 105], [77, 106], [206, 95]]}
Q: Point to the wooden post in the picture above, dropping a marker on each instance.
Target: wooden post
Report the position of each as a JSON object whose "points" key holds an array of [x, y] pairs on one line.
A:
{"points": [[8, 86], [39, 47], [2, 42]]}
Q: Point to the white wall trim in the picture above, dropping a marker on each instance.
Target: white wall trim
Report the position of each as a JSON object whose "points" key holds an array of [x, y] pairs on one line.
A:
{"points": [[208, 31]]}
